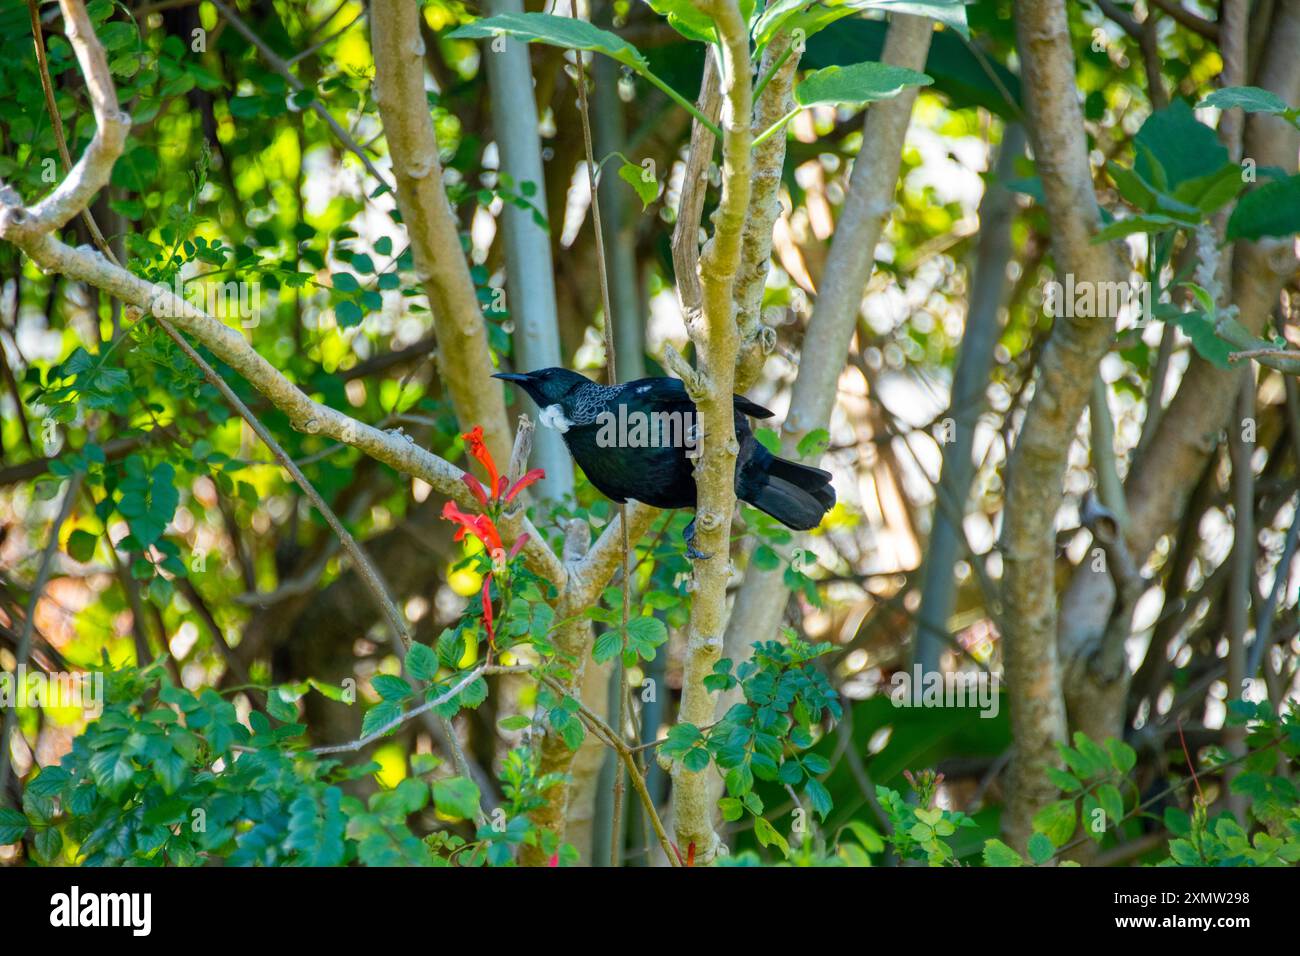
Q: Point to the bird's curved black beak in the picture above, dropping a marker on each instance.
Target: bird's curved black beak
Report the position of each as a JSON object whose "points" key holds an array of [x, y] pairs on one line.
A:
{"points": [[513, 377]]}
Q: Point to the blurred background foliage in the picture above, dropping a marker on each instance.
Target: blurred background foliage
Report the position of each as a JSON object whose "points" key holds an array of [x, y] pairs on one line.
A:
{"points": [[187, 541]]}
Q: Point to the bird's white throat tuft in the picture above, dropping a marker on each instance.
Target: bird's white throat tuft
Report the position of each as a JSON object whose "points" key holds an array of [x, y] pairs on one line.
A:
{"points": [[552, 416]]}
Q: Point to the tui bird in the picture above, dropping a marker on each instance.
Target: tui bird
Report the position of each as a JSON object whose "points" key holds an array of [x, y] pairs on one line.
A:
{"points": [[637, 440]]}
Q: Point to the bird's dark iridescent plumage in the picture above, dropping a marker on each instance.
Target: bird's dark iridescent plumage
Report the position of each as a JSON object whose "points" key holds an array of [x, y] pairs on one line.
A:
{"points": [[796, 495]]}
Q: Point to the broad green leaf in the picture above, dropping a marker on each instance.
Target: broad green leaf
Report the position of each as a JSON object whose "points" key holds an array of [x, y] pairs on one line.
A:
{"points": [[768, 836], [421, 662], [811, 17], [48, 843], [856, 84], [1252, 99], [12, 825], [686, 18], [456, 797], [1064, 781], [1147, 222], [1204, 339], [1212, 192], [1183, 148], [951, 13], [775, 16], [564, 32], [997, 853], [1177, 821], [1272, 209], [1184, 853], [608, 646], [1056, 821], [391, 688], [1095, 820], [1122, 755], [868, 837], [814, 444], [380, 716], [646, 186], [1112, 802], [1040, 848]]}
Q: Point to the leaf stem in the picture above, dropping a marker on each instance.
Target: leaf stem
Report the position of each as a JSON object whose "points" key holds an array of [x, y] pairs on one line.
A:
{"points": [[684, 103]]}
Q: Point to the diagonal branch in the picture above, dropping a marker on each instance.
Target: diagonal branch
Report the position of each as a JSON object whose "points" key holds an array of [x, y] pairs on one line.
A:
{"points": [[464, 360], [30, 230]]}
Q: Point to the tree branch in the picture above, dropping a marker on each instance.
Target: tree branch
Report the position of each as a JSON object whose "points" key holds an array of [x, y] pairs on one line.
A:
{"points": [[716, 338], [1069, 363]]}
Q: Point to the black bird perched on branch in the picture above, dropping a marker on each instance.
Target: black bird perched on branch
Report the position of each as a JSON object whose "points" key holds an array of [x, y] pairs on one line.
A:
{"points": [[637, 440]]}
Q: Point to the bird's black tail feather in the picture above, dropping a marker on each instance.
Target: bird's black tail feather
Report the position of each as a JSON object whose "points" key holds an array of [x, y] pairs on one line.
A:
{"points": [[796, 495]]}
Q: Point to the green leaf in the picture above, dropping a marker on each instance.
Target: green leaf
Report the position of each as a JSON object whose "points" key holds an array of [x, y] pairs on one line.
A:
{"points": [[421, 662], [12, 825], [1148, 222], [1252, 99], [871, 840], [1094, 817], [391, 688], [348, 314], [1122, 755], [997, 853], [1177, 821], [1172, 146], [1064, 781], [696, 760], [857, 83], [280, 708], [1040, 848], [515, 722], [608, 646], [1211, 192], [50, 782], [819, 798], [1056, 821], [1272, 209], [456, 797], [1204, 339], [1184, 853], [646, 186], [380, 716], [951, 13], [768, 836], [1112, 802], [644, 634], [814, 443], [686, 18], [48, 844], [565, 32], [81, 545]]}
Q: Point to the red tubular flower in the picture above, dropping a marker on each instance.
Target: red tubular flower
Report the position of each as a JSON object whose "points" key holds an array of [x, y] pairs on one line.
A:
{"points": [[517, 546], [475, 487], [523, 483], [487, 609], [480, 451], [480, 526]]}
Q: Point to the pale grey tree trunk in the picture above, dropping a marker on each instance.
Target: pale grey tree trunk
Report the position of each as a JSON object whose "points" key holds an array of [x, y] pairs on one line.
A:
{"points": [[967, 401], [530, 281]]}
